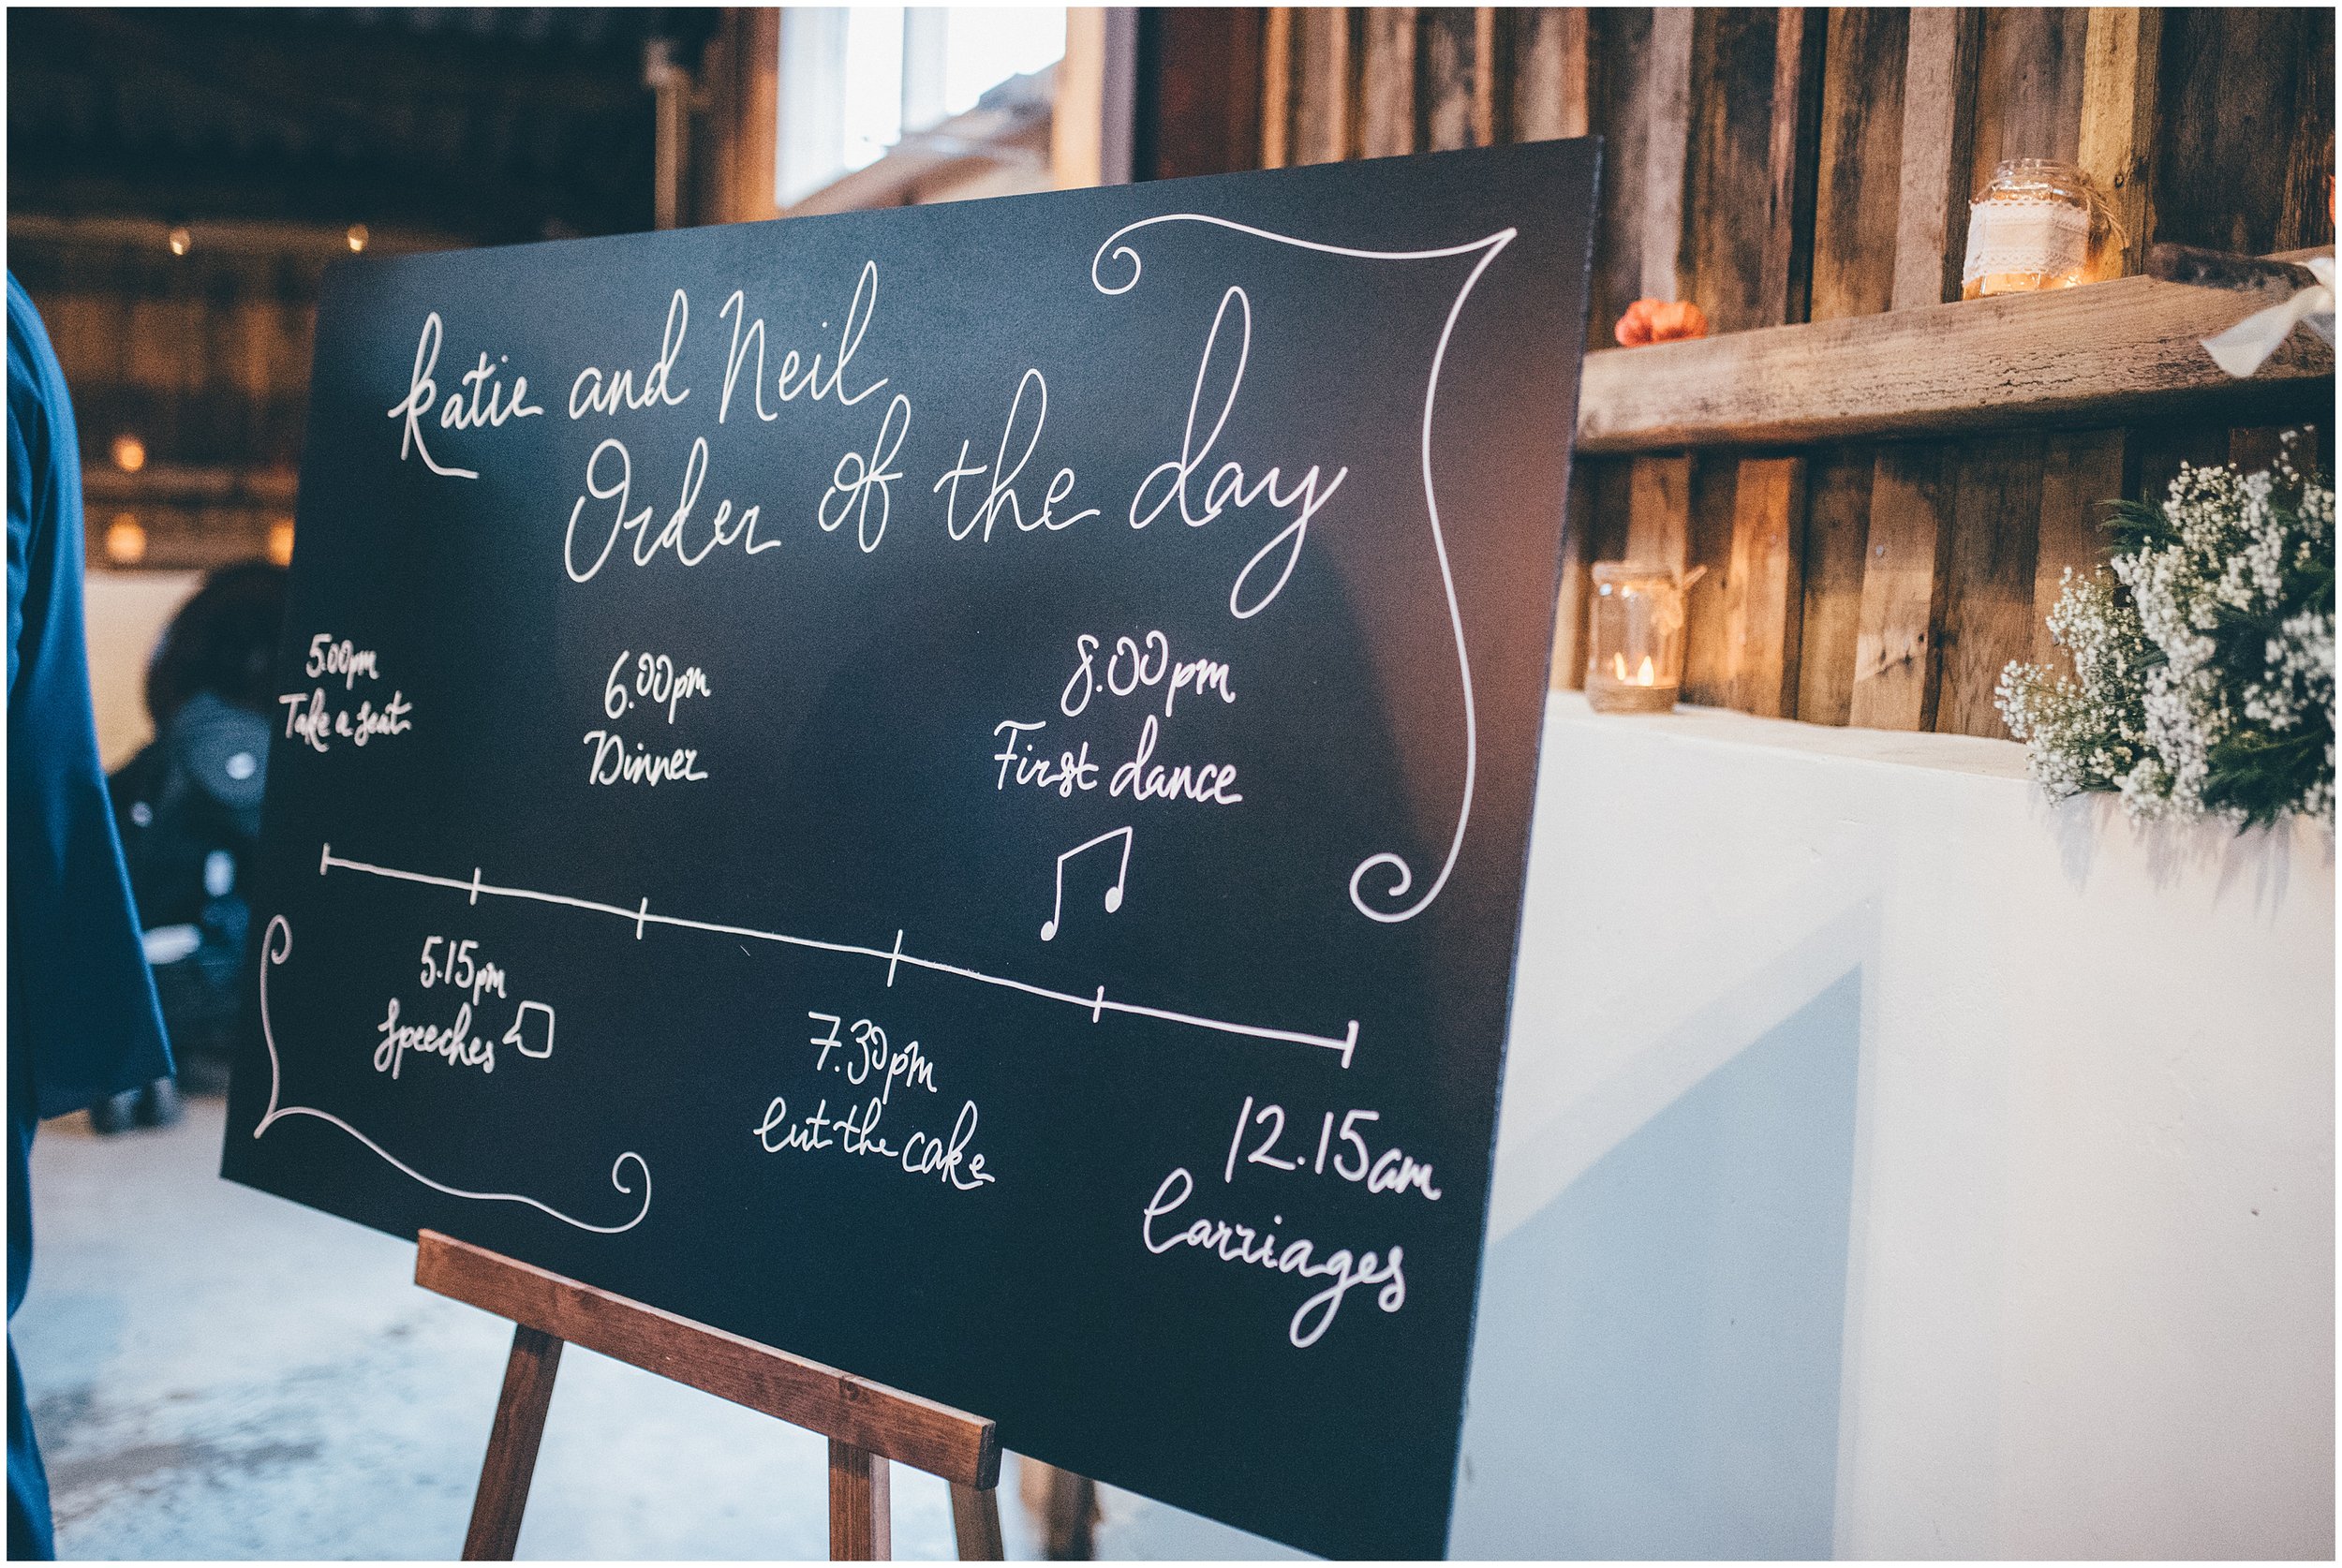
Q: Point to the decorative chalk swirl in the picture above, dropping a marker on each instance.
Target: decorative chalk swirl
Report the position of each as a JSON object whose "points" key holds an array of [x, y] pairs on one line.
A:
{"points": [[275, 946], [1403, 878]]}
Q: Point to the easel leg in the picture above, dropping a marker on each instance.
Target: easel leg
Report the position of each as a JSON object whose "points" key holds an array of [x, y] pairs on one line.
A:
{"points": [[512, 1461], [860, 1521], [976, 1520]]}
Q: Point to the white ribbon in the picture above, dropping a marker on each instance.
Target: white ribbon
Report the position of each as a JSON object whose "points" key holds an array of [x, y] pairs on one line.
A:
{"points": [[2242, 349]]}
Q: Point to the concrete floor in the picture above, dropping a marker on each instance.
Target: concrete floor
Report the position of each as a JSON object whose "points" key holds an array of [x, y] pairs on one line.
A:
{"points": [[217, 1373]]}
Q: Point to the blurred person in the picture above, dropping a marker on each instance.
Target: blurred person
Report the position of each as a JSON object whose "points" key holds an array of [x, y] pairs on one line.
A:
{"points": [[187, 807], [82, 1019]]}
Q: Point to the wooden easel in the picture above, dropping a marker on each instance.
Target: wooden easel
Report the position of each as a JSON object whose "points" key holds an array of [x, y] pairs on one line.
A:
{"points": [[866, 1423]]}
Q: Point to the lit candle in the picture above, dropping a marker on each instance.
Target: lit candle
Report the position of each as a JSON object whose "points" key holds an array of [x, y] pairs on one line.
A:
{"points": [[1636, 652]]}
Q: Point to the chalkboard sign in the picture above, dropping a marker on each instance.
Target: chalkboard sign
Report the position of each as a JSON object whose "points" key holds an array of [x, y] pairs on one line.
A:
{"points": [[947, 790]]}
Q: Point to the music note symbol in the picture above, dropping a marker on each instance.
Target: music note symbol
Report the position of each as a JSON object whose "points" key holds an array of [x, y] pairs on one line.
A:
{"points": [[1114, 894]]}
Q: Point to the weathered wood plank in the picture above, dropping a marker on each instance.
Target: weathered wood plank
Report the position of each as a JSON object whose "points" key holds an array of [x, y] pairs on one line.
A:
{"points": [[1895, 667], [2162, 447], [1987, 601], [2106, 353], [1859, 156], [1618, 78], [1762, 589], [868, 1415], [498, 1506], [2244, 140], [1727, 170], [2253, 448], [1483, 51], [1898, 661], [1936, 152], [2081, 472], [1839, 482], [2028, 87], [1659, 510], [1707, 659], [2305, 207], [1551, 80], [1322, 125], [2122, 58], [1569, 618], [1277, 81], [1594, 530], [1459, 87], [1667, 144], [1785, 278], [861, 1516], [1386, 81]]}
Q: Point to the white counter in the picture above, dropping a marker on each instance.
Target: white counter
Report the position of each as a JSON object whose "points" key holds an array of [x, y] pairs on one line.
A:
{"points": [[1894, 1165]]}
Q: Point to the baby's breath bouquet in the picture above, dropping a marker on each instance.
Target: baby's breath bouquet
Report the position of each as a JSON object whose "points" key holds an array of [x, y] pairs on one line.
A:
{"points": [[2202, 652]]}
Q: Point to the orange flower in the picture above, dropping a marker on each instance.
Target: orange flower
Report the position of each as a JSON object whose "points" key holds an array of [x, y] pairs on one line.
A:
{"points": [[1660, 321]]}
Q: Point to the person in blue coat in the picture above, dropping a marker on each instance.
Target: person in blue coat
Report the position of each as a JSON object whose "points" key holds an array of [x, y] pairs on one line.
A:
{"points": [[82, 1019]]}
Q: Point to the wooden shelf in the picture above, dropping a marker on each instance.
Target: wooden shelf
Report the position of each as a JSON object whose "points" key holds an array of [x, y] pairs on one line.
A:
{"points": [[2106, 353]]}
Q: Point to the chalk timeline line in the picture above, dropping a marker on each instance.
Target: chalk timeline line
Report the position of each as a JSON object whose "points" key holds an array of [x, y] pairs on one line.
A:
{"points": [[1096, 1005]]}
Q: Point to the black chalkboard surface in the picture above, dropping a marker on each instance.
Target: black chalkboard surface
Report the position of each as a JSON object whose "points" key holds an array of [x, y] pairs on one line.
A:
{"points": [[947, 790]]}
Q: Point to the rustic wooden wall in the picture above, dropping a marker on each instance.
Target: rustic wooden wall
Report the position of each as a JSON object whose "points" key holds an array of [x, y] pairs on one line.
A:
{"points": [[1789, 165], [203, 358]]}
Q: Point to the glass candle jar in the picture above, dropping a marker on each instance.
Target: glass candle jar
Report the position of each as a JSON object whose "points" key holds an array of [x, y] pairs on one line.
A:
{"points": [[2036, 224], [1636, 641]]}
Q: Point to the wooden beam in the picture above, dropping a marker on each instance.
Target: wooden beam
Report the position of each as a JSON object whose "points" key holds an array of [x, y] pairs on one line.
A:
{"points": [[1895, 667], [1569, 620], [1838, 485], [2028, 87], [1200, 109], [2081, 472], [1659, 510], [755, 98], [1762, 588], [2122, 59], [1988, 579], [1484, 83], [2305, 202], [932, 1437], [1322, 121], [2100, 354], [1938, 130], [1898, 664], [1764, 581], [1386, 81], [1550, 78], [1078, 120], [1459, 77], [1784, 287], [1594, 529], [1858, 158], [1666, 149], [2245, 130], [2253, 448], [1708, 666], [1276, 84], [1727, 168]]}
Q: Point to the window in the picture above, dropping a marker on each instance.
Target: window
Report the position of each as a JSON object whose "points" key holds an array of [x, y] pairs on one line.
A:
{"points": [[857, 81]]}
